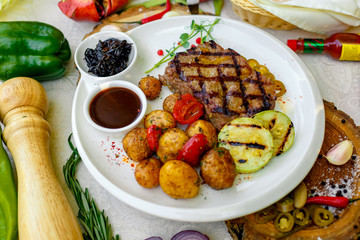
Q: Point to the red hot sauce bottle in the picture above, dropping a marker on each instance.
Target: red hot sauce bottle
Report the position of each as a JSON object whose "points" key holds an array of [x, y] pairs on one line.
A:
{"points": [[341, 46]]}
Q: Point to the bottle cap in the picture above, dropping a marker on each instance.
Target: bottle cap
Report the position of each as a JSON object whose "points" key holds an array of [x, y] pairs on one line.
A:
{"points": [[292, 43]]}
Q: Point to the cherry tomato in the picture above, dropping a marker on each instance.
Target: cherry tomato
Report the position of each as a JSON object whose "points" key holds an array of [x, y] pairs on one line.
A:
{"points": [[187, 109], [198, 40], [160, 52], [153, 135], [193, 149]]}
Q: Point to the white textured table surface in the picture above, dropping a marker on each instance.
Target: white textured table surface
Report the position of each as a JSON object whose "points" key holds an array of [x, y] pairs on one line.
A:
{"points": [[339, 82]]}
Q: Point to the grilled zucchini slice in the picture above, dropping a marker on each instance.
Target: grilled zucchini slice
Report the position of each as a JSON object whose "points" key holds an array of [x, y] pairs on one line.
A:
{"points": [[249, 143], [281, 128]]}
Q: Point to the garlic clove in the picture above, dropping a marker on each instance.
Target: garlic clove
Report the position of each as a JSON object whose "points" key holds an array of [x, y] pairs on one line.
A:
{"points": [[300, 195], [340, 153], [171, 14], [110, 27]]}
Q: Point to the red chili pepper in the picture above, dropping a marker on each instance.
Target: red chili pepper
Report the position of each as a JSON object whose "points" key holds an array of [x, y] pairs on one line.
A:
{"points": [[193, 149], [153, 135], [339, 202], [187, 109], [153, 17]]}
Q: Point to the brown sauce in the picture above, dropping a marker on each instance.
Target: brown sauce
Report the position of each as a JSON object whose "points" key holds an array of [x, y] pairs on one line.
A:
{"points": [[115, 107]]}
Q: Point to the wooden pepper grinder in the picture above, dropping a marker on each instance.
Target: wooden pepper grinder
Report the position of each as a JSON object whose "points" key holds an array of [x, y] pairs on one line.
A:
{"points": [[43, 210]]}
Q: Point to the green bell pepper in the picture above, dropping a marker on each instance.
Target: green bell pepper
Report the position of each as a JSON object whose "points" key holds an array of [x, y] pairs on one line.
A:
{"points": [[32, 49], [8, 199]]}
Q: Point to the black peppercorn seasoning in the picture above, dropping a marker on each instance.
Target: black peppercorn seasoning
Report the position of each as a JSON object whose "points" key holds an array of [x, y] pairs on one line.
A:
{"points": [[108, 58]]}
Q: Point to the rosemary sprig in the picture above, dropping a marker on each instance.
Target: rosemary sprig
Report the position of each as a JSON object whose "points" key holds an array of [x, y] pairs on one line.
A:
{"points": [[95, 223], [203, 29]]}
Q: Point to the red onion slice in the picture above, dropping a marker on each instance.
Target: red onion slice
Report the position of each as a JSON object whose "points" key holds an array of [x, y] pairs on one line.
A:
{"points": [[190, 235], [154, 238]]}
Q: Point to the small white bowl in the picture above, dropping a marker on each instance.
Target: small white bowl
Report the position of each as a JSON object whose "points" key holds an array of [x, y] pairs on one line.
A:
{"points": [[110, 84], [91, 42]]}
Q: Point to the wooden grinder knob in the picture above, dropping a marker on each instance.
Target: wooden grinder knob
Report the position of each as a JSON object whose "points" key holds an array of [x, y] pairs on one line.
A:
{"points": [[43, 210]]}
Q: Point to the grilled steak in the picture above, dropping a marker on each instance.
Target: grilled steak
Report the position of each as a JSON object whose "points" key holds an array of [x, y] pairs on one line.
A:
{"points": [[222, 80]]}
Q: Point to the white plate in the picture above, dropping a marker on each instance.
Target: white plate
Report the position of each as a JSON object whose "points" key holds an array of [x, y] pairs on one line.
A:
{"points": [[103, 156]]}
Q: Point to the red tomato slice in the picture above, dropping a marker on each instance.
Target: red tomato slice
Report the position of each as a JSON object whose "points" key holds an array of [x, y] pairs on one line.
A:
{"points": [[153, 135], [193, 149], [187, 109]]}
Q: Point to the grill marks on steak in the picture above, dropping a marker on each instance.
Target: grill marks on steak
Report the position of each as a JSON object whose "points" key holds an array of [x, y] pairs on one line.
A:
{"points": [[222, 80]]}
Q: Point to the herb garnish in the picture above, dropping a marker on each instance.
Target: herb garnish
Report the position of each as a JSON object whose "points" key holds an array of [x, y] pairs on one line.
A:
{"points": [[95, 223], [204, 29]]}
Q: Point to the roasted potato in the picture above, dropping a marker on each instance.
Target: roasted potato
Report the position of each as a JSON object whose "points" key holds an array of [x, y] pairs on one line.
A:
{"points": [[170, 143], [169, 102], [151, 86], [179, 180], [136, 145], [217, 168], [147, 172], [161, 119], [204, 127]]}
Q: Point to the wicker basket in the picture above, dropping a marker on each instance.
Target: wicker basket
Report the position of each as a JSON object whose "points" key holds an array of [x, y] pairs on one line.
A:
{"points": [[258, 16]]}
